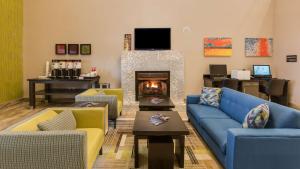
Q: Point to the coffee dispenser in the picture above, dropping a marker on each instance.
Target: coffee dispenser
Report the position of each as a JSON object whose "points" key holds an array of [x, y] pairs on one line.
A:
{"points": [[62, 68], [55, 69], [66, 69], [77, 70], [69, 69]]}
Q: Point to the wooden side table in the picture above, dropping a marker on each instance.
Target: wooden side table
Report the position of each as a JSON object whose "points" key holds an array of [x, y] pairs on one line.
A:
{"points": [[66, 89]]}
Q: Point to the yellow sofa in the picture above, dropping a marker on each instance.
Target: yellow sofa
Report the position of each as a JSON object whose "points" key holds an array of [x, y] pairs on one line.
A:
{"points": [[114, 98], [23, 145]]}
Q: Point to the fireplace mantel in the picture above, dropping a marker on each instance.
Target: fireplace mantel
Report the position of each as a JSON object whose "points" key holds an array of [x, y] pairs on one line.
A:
{"points": [[171, 61]]}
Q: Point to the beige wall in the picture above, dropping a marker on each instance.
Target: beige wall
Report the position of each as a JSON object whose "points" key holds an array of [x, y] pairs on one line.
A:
{"points": [[287, 34], [103, 23]]}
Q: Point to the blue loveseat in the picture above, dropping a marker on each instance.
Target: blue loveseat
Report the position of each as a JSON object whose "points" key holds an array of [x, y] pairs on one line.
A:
{"points": [[275, 147]]}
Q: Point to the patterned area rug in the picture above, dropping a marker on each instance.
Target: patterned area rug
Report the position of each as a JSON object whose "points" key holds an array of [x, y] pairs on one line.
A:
{"points": [[118, 146]]}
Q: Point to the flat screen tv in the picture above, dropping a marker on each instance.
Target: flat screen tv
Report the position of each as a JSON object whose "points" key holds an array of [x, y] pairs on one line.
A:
{"points": [[152, 39]]}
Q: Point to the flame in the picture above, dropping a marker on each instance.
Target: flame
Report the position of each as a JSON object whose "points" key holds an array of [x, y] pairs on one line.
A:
{"points": [[152, 85]]}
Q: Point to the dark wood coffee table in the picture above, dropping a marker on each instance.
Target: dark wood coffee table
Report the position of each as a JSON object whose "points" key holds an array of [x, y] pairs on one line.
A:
{"points": [[145, 104], [174, 128]]}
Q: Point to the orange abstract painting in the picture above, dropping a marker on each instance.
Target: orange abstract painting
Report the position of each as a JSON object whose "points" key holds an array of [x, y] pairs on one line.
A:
{"points": [[261, 47], [217, 47]]}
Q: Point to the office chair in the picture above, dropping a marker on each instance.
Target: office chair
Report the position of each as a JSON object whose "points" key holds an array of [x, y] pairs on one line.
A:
{"points": [[231, 83], [275, 88]]}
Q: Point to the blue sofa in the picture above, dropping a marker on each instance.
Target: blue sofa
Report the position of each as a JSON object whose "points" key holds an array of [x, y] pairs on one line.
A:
{"points": [[275, 147]]}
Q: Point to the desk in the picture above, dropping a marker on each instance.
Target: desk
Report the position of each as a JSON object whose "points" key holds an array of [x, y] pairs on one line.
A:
{"points": [[67, 88], [253, 87], [246, 86]]}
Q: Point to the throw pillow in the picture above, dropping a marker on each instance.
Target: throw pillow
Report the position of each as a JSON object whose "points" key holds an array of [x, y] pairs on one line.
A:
{"points": [[100, 93], [257, 117], [63, 121], [210, 96]]}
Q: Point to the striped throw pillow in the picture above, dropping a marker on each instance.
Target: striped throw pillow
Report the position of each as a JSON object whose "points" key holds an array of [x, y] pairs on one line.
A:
{"points": [[63, 121]]}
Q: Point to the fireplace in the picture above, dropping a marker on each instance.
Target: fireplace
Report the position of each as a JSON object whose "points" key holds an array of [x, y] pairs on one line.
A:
{"points": [[152, 83]]}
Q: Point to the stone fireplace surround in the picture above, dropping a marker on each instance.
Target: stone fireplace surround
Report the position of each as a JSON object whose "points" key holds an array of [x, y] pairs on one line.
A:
{"points": [[170, 60]]}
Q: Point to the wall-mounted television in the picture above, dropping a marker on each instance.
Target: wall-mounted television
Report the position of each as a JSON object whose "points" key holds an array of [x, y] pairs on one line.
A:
{"points": [[152, 39]]}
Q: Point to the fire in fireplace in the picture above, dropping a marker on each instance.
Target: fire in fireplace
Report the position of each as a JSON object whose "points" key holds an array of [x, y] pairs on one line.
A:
{"points": [[152, 83]]}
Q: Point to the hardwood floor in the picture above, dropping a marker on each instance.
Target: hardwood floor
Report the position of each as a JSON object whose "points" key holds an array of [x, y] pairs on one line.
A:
{"points": [[19, 110], [16, 111]]}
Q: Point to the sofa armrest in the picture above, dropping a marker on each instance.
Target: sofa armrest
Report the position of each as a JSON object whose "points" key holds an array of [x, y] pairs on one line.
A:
{"points": [[263, 148], [193, 99], [111, 100], [120, 95], [117, 92], [91, 117], [47, 149]]}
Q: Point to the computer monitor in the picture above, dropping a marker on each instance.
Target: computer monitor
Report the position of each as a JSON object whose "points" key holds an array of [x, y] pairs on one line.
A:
{"points": [[262, 71], [218, 70]]}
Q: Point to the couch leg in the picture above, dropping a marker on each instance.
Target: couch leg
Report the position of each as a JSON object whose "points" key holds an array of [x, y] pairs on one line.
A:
{"points": [[115, 123], [189, 120], [101, 151]]}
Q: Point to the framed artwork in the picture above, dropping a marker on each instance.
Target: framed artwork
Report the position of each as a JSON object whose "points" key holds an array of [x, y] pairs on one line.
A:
{"points": [[85, 49], [127, 42], [60, 49], [73, 49], [259, 47], [217, 47]]}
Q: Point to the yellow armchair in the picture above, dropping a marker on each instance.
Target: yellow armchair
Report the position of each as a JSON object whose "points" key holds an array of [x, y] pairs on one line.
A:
{"points": [[31, 146], [114, 98]]}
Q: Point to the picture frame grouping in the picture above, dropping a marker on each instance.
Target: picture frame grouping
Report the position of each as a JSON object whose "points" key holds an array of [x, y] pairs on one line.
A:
{"points": [[73, 49]]}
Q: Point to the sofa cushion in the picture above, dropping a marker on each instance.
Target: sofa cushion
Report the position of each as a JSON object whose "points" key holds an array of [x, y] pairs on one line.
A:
{"points": [[257, 117], [201, 111], [95, 139], [210, 96], [217, 129], [283, 117], [90, 92], [237, 105], [31, 124], [63, 121]]}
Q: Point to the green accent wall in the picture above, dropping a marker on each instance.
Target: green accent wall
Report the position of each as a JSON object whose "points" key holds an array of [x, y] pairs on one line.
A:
{"points": [[11, 68]]}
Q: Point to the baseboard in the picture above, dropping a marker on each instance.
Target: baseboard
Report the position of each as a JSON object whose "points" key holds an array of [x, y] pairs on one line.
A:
{"points": [[11, 102], [296, 106]]}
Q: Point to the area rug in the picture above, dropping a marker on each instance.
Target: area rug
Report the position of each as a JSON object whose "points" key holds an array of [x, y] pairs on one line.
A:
{"points": [[118, 154]]}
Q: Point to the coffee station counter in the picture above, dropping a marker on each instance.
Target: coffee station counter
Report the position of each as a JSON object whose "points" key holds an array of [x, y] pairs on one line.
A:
{"points": [[60, 88]]}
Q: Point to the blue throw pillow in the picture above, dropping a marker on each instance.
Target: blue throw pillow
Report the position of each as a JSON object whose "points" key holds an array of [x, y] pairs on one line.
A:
{"points": [[257, 117], [210, 97]]}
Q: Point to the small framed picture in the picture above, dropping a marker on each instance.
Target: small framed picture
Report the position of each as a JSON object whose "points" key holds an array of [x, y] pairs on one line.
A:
{"points": [[73, 49], [61, 49], [85, 49], [127, 42]]}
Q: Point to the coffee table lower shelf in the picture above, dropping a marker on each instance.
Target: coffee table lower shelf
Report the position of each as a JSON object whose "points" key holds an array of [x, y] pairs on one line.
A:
{"points": [[179, 149]]}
